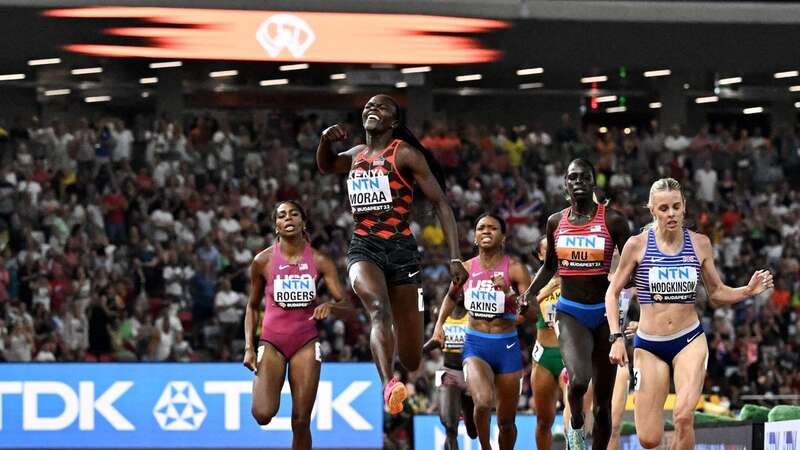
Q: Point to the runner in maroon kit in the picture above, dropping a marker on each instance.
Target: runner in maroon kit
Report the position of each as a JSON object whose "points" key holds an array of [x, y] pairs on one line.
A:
{"points": [[286, 274], [383, 261]]}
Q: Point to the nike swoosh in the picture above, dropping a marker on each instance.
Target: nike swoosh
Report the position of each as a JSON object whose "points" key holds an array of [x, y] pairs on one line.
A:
{"points": [[411, 275], [509, 346], [283, 267], [477, 273], [692, 338], [654, 259]]}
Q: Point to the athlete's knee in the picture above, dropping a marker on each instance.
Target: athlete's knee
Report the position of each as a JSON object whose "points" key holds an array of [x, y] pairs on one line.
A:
{"points": [[263, 414], [300, 422], [379, 311], [579, 384], [544, 422], [505, 424], [683, 420], [483, 406], [649, 441], [411, 359]]}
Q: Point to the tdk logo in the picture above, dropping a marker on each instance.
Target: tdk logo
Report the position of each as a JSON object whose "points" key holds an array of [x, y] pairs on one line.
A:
{"points": [[179, 408]]}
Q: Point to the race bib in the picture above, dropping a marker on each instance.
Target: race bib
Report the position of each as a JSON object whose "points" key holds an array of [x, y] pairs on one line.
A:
{"points": [[580, 252], [369, 191], [485, 303], [453, 337], [294, 291], [548, 310], [538, 351], [672, 284]]}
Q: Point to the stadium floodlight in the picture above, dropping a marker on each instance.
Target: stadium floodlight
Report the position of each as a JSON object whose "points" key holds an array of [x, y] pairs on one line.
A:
{"points": [[657, 73], [731, 80], [97, 99], [607, 98], [530, 71], [166, 64], [290, 67], [12, 77], [54, 92], [595, 79], [654, 105], [470, 77], [275, 82], [223, 73], [86, 71], [753, 110], [709, 99], [419, 69], [148, 80], [787, 74], [44, 62]]}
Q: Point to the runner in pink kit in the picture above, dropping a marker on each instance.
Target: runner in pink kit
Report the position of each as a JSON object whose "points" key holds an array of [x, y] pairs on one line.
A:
{"points": [[287, 274]]}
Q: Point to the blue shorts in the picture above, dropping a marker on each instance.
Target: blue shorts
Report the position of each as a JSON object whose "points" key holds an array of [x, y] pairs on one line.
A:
{"points": [[667, 348], [591, 316], [501, 351]]}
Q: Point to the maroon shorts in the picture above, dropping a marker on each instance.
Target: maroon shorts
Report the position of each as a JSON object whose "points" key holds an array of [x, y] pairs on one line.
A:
{"points": [[289, 344]]}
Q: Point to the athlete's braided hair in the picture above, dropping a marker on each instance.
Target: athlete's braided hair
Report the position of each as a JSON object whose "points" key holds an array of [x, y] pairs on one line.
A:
{"points": [[402, 132]]}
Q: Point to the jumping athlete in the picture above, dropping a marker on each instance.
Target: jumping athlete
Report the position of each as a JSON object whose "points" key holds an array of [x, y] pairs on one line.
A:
{"points": [[383, 261], [668, 261], [286, 275], [492, 357], [580, 245], [454, 398]]}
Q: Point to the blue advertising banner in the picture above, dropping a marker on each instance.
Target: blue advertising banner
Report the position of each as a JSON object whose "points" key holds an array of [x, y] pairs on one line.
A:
{"points": [[429, 433], [176, 405]]}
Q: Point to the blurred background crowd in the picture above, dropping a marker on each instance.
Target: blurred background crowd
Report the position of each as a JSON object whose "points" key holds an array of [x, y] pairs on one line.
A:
{"points": [[132, 241]]}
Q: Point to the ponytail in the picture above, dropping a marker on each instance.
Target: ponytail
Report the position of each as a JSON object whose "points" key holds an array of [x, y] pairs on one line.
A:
{"points": [[404, 134]]}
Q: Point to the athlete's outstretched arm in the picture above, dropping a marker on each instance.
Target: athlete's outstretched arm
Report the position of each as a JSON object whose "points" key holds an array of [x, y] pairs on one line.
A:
{"points": [[327, 268], [253, 306], [451, 299], [549, 266], [329, 161], [718, 292], [411, 160]]}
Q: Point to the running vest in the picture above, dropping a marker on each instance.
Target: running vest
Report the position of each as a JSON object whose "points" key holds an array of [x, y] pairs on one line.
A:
{"points": [[662, 278], [547, 308], [291, 286], [454, 334], [584, 250], [380, 197], [481, 299]]}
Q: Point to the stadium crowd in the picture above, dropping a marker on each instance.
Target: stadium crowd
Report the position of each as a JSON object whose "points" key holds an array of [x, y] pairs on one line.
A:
{"points": [[126, 242]]}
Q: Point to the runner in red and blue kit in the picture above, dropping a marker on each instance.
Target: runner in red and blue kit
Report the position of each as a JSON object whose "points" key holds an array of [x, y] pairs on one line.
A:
{"points": [[286, 275], [580, 244], [492, 357], [383, 261]]}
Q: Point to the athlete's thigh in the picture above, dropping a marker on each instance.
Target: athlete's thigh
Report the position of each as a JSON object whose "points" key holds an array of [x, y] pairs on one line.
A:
{"points": [[304, 369], [369, 283], [690, 374], [576, 342], [545, 392], [507, 386], [269, 378], [449, 405], [480, 380], [651, 386], [407, 312]]}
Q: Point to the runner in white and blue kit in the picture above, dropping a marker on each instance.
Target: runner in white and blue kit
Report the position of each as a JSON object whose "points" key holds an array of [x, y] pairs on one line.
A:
{"points": [[668, 261]]}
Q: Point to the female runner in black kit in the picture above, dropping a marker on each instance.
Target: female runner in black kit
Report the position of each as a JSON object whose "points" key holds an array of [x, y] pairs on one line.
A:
{"points": [[580, 244], [383, 261]]}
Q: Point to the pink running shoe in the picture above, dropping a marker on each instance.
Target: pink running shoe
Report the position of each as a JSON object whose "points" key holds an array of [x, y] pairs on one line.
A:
{"points": [[393, 396]]}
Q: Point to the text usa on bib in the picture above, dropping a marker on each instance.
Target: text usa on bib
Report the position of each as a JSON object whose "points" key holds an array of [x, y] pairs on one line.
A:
{"points": [[483, 301]]}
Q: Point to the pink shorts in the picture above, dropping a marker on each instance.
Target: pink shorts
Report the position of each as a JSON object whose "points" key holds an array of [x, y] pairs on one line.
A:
{"points": [[289, 344]]}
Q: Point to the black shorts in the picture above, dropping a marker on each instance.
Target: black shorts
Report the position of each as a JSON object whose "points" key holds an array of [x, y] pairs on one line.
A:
{"points": [[398, 258]]}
